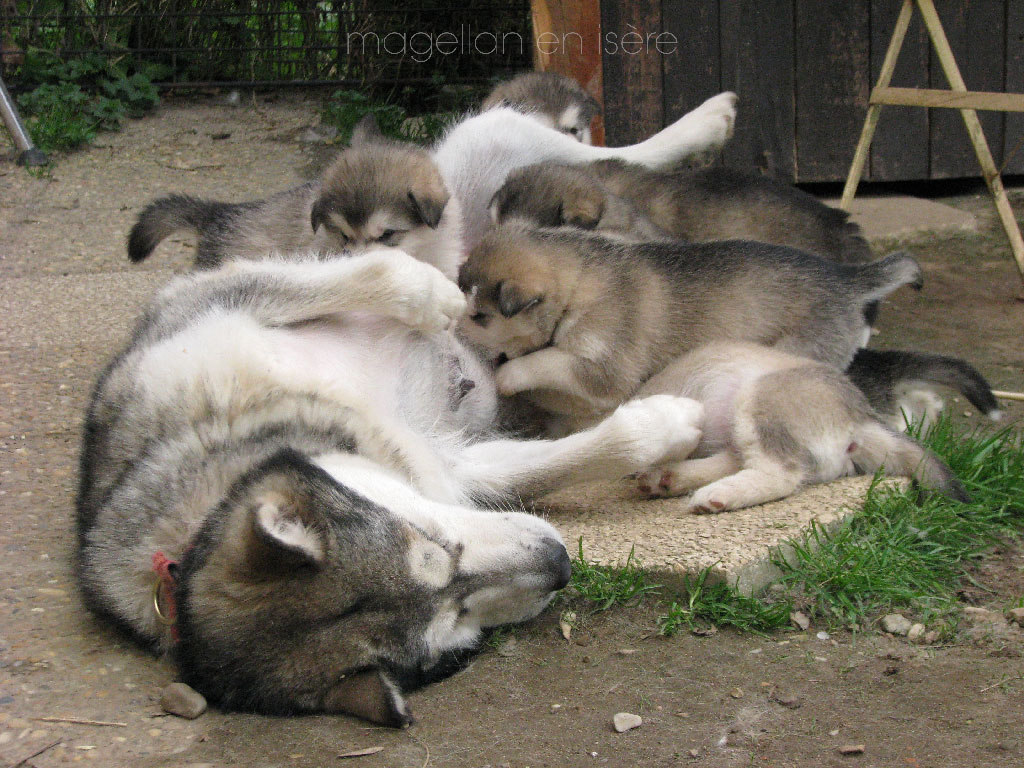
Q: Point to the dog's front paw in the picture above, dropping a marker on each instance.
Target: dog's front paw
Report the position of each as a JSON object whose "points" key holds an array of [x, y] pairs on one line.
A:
{"points": [[511, 378], [660, 483], [413, 292], [657, 429]]}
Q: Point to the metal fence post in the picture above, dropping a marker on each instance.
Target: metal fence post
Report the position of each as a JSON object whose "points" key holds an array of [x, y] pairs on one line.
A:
{"points": [[29, 154]]}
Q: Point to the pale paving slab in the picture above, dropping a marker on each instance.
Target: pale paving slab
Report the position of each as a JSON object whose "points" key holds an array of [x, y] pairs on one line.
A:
{"points": [[738, 546], [893, 216]]}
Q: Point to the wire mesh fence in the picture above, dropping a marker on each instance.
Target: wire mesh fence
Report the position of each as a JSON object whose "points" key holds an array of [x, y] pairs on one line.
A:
{"points": [[201, 43]]}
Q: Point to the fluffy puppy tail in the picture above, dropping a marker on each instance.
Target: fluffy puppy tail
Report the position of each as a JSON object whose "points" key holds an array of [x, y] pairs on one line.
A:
{"points": [[878, 279], [878, 372], [165, 216], [876, 447]]}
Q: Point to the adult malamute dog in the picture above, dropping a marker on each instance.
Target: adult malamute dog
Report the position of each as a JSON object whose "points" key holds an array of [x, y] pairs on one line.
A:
{"points": [[285, 461]]}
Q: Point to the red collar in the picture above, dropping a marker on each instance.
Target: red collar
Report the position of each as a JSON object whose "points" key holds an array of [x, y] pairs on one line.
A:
{"points": [[163, 592]]}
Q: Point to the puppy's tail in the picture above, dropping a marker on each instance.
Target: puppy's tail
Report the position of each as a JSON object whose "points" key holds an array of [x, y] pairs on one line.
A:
{"points": [[878, 279], [878, 373], [875, 447], [167, 215]]}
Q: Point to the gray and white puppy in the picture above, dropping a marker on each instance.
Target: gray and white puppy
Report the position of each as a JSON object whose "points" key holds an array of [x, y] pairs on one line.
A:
{"points": [[377, 192], [552, 98], [775, 422], [585, 320], [703, 205]]}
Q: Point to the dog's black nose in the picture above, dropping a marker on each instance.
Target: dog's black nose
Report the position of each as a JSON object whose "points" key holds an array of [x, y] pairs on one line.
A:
{"points": [[561, 567]]}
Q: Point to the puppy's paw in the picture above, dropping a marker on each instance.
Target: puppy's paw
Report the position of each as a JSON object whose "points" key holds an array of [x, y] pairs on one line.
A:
{"points": [[716, 120], [413, 292], [655, 429], [709, 500], [659, 483], [511, 378]]}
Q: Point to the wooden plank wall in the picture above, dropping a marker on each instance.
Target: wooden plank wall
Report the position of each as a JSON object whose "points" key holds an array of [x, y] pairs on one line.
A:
{"points": [[804, 70]]}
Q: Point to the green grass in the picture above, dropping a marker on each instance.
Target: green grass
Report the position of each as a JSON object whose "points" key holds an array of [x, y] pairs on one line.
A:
{"points": [[346, 108], [603, 586], [903, 550]]}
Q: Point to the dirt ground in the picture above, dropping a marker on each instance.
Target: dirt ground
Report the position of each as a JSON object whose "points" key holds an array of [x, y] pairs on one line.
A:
{"points": [[67, 297]]}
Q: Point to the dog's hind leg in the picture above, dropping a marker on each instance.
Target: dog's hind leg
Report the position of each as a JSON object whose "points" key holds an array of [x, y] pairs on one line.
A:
{"points": [[754, 485], [387, 282], [637, 435]]}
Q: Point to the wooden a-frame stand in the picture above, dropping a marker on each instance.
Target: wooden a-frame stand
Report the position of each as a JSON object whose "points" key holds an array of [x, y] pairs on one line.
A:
{"points": [[958, 97]]}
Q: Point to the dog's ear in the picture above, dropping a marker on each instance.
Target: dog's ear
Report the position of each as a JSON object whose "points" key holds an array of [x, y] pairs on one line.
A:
{"points": [[282, 537], [512, 299], [582, 208], [369, 694], [367, 130], [428, 201]]}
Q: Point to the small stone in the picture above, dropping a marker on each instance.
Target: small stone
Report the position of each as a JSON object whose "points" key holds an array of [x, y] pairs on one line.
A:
{"points": [[555, 708], [154, 733], [896, 624], [736, 693], [916, 633], [852, 749], [799, 618], [626, 721], [694, 753], [626, 651], [982, 615], [182, 700], [824, 636], [1017, 615], [931, 637], [834, 732]]}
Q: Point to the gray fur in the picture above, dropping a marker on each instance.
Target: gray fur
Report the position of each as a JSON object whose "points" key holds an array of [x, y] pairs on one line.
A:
{"points": [[376, 192], [775, 422], [619, 312], [550, 95]]}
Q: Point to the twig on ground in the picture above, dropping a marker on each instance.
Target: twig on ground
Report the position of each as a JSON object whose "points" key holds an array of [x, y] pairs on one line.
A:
{"points": [[81, 721], [37, 753]]}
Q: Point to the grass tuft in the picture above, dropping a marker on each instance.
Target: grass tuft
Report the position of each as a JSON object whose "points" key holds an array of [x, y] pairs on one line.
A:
{"points": [[722, 605], [604, 586], [905, 549]]}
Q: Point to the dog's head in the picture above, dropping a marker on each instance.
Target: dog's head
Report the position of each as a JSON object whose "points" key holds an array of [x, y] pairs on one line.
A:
{"points": [[548, 195], [380, 192], [516, 282], [301, 595], [551, 98]]}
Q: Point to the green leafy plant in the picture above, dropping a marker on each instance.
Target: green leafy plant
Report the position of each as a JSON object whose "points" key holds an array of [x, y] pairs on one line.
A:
{"points": [[70, 101], [346, 108], [604, 586], [722, 605]]}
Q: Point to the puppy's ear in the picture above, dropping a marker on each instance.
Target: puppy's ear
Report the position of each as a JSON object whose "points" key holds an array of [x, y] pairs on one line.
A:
{"points": [[512, 299], [324, 212], [370, 695], [428, 202], [582, 208], [367, 130]]}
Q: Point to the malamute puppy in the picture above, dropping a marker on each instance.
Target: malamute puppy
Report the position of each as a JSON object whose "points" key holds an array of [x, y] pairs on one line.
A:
{"points": [[584, 320], [714, 204], [775, 422], [375, 193], [554, 99], [279, 480], [702, 205]]}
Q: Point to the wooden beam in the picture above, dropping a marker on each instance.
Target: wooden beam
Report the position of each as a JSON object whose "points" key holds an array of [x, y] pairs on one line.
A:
{"points": [[860, 157], [931, 97]]}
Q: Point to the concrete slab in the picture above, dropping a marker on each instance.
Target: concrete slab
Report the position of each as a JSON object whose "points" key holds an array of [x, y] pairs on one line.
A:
{"points": [[898, 216], [612, 520]]}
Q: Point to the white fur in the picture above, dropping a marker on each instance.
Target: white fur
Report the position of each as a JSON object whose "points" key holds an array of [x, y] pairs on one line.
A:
{"points": [[476, 156]]}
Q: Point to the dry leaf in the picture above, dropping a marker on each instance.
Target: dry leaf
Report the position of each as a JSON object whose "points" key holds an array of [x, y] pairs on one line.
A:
{"points": [[361, 752]]}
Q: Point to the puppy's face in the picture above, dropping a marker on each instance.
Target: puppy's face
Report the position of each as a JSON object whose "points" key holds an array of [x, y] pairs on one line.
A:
{"points": [[550, 196], [514, 299], [552, 99], [380, 193]]}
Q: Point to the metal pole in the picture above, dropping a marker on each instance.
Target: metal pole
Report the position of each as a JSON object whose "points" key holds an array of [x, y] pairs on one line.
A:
{"points": [[30, 155]]}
